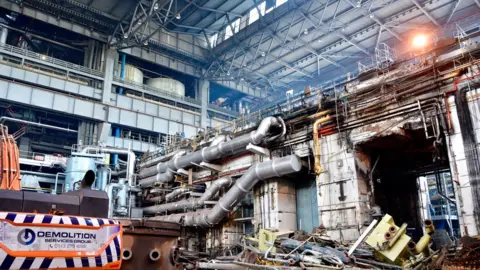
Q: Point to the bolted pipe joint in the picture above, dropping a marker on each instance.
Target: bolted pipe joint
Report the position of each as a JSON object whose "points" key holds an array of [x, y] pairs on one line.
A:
{"points": [[154, 255]]}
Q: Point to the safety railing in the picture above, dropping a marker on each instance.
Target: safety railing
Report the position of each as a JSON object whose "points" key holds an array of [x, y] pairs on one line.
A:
{"points": [[55, 61], [158, 91], [283, 104], [44, 158], [442, 210], [222, 109]]}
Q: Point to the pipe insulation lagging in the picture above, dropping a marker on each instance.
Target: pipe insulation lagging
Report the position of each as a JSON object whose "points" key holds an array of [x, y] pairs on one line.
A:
{"points": [[177, 192], [261, 171], [208, 154], [191, 204]]}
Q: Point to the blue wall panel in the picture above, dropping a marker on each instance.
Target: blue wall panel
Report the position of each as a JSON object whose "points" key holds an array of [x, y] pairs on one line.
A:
{"points": [[307, 206]]}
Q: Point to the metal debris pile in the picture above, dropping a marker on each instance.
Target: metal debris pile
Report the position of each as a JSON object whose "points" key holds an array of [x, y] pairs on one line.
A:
{"points": [[383, 245], [466, 258], [297, 250]]}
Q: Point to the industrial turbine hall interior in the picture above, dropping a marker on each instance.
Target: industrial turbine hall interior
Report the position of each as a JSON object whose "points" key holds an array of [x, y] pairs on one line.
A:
{"points": [[239, 134]]}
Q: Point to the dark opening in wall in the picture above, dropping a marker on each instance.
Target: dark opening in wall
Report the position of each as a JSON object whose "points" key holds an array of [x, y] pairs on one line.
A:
{"points": [[396, 163]]}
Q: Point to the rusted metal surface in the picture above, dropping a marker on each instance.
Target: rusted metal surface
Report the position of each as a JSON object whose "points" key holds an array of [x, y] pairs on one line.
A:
{"points": [[467, 258], [152, 244]]}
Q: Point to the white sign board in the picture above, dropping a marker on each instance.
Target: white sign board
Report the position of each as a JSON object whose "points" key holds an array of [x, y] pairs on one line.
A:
{"points": [[36, 238]]}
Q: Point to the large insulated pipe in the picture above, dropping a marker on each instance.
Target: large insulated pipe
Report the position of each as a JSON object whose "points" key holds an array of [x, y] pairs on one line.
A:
{"points": [[4, 35], [163, 172], [268, 169], [111, 199], [191, 204], [88, 180], [130, 159], [177, 192]]}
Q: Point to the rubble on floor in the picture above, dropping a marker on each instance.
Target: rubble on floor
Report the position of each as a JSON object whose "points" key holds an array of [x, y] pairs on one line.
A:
{"points": [[466, 258], [298, 250], [383, 246]]}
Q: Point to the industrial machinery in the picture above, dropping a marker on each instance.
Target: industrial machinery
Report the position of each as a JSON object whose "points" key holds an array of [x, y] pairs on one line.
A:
{"points": [[46, 241], [43, 230], [332, 136], [9, 161], [150, 245], [202, 197], [393, 244]]}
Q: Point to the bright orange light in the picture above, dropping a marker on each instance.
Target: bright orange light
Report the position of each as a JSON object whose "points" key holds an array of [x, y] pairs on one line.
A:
{"points": [[420, 41]]}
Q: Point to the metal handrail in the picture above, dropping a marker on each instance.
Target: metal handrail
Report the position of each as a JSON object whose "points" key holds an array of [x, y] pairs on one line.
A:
{"points": [[45, 58], [221, 109], [156, 90]]}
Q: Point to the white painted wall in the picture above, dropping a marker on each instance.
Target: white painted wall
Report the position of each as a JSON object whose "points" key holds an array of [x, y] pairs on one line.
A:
{"points": [[346, 215], [275, 205], [458, 163]]}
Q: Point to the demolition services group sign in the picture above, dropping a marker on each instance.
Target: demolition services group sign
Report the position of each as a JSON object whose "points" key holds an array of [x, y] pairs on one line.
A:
{"points": [[21, 238]]}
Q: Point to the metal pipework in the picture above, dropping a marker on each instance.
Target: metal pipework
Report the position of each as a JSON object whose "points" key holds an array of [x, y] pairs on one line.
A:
{"points": [[54, 191], [191, 204], [121, 196], [219, 139], [316, 140], [111, 199], [88, 180], [163, 172], [273, 168], [177, 192], [219, 266], [5, 119], [130, 160], [401, 231], [422, 244]]}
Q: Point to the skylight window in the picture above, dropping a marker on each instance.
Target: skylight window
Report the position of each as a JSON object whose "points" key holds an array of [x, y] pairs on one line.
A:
{"points": [[236, 25], [262, 8], [247, 19], [228, 32], [213, 40], [269, 5], [253, 16]]}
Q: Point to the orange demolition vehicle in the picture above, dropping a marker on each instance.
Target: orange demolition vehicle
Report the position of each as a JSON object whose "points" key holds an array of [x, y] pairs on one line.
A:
{"points": [[9, 161]]}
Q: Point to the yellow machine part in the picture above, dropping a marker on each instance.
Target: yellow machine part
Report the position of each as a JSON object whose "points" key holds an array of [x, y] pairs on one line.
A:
{"points": [[269, 236], [378, 240]]}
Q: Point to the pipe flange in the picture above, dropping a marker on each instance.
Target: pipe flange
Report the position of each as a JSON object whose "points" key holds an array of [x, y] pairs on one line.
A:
{"points": [[174, 255], [127, 254], [155, 255]]}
